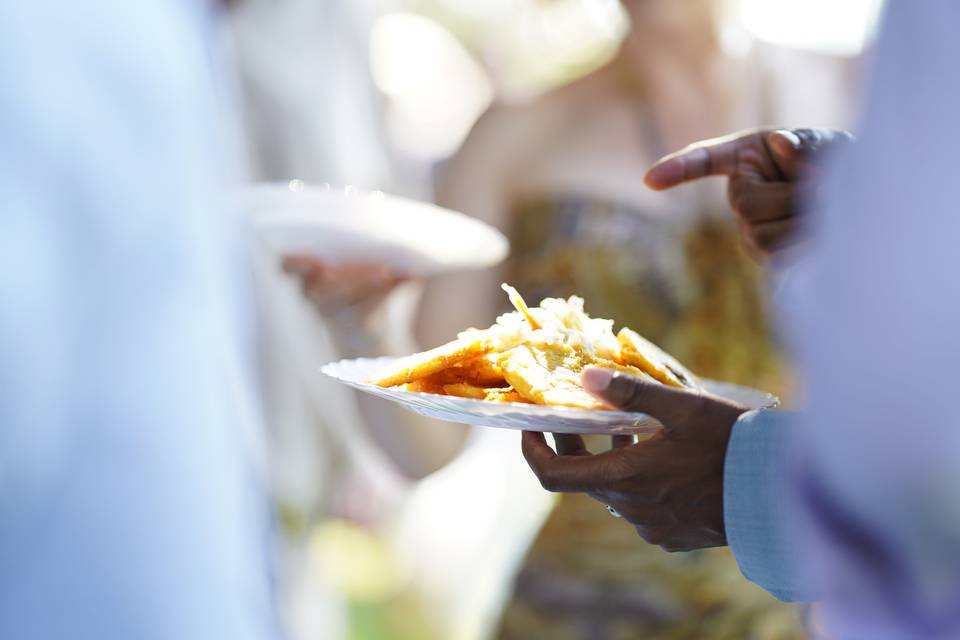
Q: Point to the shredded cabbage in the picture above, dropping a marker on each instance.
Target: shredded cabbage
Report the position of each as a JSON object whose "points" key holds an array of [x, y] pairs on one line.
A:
{"points": [[561, 322]]}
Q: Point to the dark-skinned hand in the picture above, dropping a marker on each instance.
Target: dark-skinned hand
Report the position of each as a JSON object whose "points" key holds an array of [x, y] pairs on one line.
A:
{"points": [[669, 486], [770, 172]]}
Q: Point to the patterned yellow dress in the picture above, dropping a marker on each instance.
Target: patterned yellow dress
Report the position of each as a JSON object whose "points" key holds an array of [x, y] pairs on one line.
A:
{"points": [[688, 286]]}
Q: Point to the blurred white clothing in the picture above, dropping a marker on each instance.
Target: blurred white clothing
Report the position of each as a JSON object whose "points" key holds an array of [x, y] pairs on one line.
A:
{"points": [[312, 113], [132, 499], [310, 106]]}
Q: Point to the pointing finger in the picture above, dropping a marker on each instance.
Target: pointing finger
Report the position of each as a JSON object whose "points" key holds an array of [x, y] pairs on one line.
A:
{"points": [[716, 157]]}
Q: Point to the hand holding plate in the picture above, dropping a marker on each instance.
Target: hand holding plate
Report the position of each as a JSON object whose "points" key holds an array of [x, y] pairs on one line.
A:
{"points": [[669, 486]]}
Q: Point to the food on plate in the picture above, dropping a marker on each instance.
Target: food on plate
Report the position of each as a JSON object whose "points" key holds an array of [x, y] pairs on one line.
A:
{"points": [[505, 395], [639, 352], [423, 365], [547, 376], [465, 390], [535, 356]]}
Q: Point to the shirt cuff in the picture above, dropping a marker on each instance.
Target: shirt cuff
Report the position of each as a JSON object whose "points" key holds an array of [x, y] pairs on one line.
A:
{"points": [[754, 502]]}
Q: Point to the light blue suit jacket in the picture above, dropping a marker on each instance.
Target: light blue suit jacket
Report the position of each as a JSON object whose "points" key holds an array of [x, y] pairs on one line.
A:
{"points": [[755, 503]]}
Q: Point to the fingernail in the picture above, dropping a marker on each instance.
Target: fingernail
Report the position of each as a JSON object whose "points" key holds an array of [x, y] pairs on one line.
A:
{"points": [[596, 379], [663, 175], [790, 137]]}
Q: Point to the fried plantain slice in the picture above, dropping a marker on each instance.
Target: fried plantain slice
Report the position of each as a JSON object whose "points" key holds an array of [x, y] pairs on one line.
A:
{"points": [[639, 352], [482, 371], [465, 390], [547, 376], [423, 365], [422, 386], [508, 394], [478, 372], [623, 368]]}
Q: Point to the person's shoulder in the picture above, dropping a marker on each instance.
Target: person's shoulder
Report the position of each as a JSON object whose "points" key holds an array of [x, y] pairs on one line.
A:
{"points": [[591, 87], [541, 114], [524, 132]]}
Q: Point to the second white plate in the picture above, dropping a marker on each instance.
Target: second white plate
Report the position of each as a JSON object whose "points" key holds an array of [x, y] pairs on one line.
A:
{"points": [[351, 225]]}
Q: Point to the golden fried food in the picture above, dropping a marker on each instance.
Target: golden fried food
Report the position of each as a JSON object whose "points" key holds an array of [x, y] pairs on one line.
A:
{"points": [[422, 386], [639, 352], [509, 394], [465, 390], [534, 355], [547, 377], [482, 372], [622, 368], [422, 365]]}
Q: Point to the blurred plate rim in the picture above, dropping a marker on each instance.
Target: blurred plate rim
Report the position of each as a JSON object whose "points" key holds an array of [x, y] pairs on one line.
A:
{"points": [[298, 209]]}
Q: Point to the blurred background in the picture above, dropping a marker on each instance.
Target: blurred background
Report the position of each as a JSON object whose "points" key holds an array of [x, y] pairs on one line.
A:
{"points": [[538, 117]]}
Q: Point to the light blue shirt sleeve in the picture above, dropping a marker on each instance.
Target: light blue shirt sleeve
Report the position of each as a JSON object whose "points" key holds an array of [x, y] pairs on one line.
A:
{"points": [[755, 486]]}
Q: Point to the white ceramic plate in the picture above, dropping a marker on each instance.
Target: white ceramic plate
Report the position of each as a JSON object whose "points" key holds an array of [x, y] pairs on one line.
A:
{"points": [[527, 417], [349, 224]]}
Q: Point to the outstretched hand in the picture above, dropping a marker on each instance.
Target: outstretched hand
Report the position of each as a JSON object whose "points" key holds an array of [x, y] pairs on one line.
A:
{"points": [[342, 291], [767, 171], [670, 486]]}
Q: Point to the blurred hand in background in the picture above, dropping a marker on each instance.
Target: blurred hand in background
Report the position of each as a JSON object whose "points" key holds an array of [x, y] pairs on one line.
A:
{"points": [[345, 291], [769, 171]]}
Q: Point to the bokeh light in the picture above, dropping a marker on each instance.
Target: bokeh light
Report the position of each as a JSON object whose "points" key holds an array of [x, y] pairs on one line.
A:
{"points": [[435, 90], [826, 26]]}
